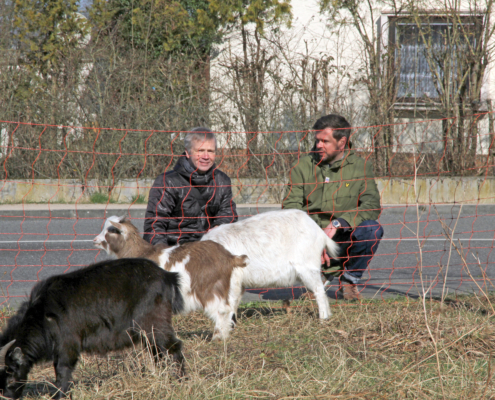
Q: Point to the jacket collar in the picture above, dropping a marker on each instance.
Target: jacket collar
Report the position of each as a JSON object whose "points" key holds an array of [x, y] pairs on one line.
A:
{"points": [[186, 169], [347, 159]]}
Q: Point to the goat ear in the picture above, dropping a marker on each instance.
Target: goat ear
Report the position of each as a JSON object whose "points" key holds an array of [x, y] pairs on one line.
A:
{"points": [[18, 356], [117, 225], [122, 219]]}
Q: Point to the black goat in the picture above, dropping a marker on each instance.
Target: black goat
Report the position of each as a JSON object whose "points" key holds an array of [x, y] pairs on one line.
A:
{"points": [[103, 307]]}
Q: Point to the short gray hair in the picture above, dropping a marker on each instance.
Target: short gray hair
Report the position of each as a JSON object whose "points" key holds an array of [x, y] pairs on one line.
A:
{"points": [[198, 134]]}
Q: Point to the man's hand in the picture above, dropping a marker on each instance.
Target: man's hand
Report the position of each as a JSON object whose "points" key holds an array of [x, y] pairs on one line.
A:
{"points": [[325, 259], [330, 231]]}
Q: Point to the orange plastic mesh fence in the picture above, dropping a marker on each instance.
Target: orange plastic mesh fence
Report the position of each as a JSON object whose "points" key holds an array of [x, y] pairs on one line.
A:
{"points": [[59, 183]]}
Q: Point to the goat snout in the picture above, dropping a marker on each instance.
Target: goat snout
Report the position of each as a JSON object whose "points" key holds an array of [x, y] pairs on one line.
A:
{"points": [[99, 242]]}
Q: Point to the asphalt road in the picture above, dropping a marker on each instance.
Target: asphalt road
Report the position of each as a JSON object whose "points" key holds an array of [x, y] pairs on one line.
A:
{"points": [[416, 242]]}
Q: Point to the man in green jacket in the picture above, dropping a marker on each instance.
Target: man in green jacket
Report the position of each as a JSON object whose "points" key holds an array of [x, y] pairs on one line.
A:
{"points": [[338, 190]]}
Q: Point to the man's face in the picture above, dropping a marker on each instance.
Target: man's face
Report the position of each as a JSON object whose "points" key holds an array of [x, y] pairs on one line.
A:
{"points": [[202, 154], [327, 146]]}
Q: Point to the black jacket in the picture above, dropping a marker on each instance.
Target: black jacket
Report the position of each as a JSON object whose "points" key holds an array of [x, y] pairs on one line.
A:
{"points": [[179, 212]]}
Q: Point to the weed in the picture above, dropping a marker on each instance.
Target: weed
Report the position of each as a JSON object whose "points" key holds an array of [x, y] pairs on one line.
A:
{"points": [[141, 199], [100, 198]]}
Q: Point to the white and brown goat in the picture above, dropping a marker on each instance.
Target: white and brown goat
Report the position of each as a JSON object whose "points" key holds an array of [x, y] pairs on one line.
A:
{"points": [[205, 269], [282, 247]]}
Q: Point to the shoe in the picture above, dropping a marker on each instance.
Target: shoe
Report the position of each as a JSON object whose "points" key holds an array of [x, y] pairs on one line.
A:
{"points": [[351, 291]]}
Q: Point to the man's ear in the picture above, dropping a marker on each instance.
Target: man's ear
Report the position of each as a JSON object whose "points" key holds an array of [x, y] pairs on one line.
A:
{"points": [[187, 154]]}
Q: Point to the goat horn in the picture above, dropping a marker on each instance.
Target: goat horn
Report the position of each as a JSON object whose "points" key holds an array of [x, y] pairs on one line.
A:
{"points": [[3, 353]]}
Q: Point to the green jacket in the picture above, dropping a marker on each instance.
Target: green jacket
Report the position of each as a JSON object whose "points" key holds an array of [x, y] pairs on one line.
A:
{"points": [[347, 190]]}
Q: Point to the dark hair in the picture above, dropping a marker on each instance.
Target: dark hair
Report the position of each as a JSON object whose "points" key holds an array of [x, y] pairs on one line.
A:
{"points": [[341, 127], [198, 134]]}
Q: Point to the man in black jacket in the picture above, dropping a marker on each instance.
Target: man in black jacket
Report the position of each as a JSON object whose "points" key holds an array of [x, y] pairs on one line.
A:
{"points": [[186, 202]]}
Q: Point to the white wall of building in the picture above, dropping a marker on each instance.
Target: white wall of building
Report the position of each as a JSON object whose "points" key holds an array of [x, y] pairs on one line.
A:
{"points": [[313, 37]]}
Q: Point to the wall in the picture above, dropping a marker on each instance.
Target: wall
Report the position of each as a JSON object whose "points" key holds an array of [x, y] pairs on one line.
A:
{"points": [[466, 190]]}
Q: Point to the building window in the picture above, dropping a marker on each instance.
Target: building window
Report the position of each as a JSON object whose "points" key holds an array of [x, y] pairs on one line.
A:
{"points": [[432, 57]]}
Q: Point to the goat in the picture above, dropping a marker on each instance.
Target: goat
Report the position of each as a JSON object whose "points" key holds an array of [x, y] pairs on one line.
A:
{"points": [[106, 306], [282, 247], [205, 269]]}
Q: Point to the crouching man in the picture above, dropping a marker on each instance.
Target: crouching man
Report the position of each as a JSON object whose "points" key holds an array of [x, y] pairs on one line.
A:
{"points": [[338, 190]]}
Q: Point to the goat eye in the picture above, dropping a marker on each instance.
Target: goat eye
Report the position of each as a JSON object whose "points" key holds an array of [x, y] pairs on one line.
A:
{"points": [[113, 229]]}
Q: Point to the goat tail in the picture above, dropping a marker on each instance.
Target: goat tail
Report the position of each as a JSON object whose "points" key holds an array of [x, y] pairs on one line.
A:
{"points": [[177, 300], [240, 261], [175, 297], [333, 248]]}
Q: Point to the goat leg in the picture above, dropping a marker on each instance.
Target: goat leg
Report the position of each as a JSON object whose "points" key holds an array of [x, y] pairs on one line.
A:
{"points": [[64, 366]]}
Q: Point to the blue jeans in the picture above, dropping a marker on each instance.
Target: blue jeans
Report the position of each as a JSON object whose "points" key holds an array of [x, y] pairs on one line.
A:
{"points": [[357, 248]]}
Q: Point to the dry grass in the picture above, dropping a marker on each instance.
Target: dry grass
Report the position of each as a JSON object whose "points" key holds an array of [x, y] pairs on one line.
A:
{"points": [[367, 351]]}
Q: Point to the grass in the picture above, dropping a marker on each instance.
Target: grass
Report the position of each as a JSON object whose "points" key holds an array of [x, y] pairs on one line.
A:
{"points": [[100, 198], [375, 350], [141, 199]]}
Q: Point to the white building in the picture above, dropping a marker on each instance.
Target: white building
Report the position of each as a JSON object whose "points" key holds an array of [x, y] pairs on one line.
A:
{"points": [[318, 66]]}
